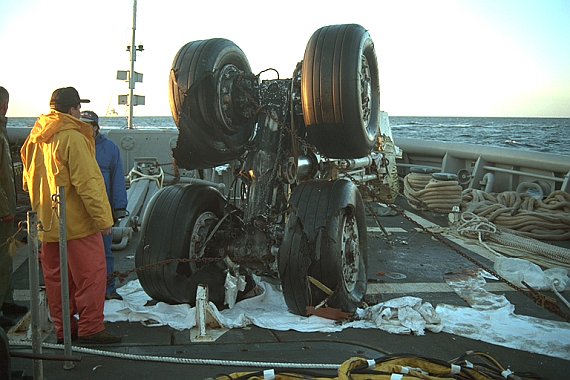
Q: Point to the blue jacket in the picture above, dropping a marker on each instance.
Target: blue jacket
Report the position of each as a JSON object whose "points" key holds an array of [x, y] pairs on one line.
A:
{"points": [[109, 160]]}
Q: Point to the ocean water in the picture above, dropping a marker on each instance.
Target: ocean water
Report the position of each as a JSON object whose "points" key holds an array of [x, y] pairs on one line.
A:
{"points": [[546, 135], [108, 122]]}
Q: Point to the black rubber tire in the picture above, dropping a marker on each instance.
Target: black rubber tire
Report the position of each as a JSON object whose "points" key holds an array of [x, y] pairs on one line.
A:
{"points": [[293, 262], [341, 107], [204, 141], [343, 263], [166, 232], [312, 246]]}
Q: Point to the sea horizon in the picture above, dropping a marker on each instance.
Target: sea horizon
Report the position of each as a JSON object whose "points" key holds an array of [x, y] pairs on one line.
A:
{"points": [[488, 117], [538, 134]]}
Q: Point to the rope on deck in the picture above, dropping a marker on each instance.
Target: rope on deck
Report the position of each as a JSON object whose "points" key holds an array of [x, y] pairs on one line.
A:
{"points": [[476, 227], [423, 192], [522, 214], [179, 360]]}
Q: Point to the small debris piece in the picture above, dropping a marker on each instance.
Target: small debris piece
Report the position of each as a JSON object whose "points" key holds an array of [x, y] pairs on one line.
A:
{"points": [[328, 313]]}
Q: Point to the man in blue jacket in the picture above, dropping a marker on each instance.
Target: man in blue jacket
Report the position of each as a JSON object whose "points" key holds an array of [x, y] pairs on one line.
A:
{"points": [[109, 160]]}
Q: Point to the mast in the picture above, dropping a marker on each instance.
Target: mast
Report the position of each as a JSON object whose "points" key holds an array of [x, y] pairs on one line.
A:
{"points": [[131, 76], [133, 59]]}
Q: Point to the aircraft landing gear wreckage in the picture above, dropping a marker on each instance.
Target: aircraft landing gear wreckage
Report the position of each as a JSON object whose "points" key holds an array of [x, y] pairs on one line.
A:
{"points": [[294, 214]]}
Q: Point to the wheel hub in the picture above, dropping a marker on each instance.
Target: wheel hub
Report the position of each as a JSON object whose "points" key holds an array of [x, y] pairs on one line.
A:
{"points": [[225, 89], [202, 228], [365, 90], [350, 253]]}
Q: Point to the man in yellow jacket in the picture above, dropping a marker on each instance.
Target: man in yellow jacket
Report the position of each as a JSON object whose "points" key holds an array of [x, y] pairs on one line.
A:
{"points": [[60, 151]]}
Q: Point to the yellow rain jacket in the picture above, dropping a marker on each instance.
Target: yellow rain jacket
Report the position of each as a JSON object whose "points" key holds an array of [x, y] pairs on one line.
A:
{"points": [[60, 151]]}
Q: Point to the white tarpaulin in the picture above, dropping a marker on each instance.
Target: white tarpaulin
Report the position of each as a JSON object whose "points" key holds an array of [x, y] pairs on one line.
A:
{"points": [[403, 315], [268, 310]]}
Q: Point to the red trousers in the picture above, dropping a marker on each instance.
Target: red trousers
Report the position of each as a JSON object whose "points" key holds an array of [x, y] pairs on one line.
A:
{"points": [[87, 283]]}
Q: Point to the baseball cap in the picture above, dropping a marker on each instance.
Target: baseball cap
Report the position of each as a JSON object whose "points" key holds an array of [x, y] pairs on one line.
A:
{"points": [[66, 96], [89, 117]]}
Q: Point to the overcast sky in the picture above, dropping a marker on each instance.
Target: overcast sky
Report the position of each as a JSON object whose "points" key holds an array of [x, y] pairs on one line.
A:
{"points": [[436, 58]]}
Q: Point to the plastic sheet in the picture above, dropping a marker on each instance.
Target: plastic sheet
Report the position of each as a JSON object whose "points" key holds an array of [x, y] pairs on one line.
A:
{"points": [[497, 325], [516, 270], [402, 315]]}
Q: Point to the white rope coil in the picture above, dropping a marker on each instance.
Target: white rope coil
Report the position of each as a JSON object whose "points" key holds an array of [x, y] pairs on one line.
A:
{"points": [[547, 219], [426, 193], [474, 226]]}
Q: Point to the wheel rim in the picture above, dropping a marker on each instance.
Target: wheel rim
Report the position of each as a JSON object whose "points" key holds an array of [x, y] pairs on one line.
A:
{"points": [[351, 255], [366, 91], [198, 241], [224, 95]]}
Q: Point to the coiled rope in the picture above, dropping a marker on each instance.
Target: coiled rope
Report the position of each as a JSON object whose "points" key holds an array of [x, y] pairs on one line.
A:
{"points": [[547, 219], [473, 226], [423, 192], [476, 227]]}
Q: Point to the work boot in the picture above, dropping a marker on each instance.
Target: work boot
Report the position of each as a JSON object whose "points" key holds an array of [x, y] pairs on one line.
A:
{"points": [[102, 337], [5, 322], [113, 296], [12, 308]]}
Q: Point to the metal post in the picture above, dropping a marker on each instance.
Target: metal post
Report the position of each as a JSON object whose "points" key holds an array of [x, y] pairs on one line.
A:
{"points": [[132, 74], [202, 314], [201, 304], [35, 292], [64, 277]]}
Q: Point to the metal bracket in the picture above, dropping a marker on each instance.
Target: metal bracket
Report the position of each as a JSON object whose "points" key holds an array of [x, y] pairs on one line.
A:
{"points": [[208, 326]]}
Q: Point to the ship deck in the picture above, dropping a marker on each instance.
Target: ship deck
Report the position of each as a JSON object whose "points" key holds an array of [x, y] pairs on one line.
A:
{"points": [[421, 264]]}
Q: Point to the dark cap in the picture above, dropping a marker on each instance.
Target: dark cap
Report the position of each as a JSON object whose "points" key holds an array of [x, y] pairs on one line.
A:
{"points": [[90, 117], [67, 96]]}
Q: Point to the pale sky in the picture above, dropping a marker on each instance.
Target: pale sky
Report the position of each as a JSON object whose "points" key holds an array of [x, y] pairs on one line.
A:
{"points": [[436, 58]]}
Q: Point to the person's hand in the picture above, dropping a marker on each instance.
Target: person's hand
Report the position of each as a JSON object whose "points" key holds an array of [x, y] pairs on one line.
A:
{"points": [[107, 231], [8, 219]]}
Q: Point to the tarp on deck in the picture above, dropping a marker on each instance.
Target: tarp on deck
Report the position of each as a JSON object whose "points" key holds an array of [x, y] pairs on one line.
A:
{"points": [[496, 323]]}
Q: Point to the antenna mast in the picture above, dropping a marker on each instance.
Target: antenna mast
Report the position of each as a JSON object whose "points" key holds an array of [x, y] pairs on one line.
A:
{"points": [[131, 76]]}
